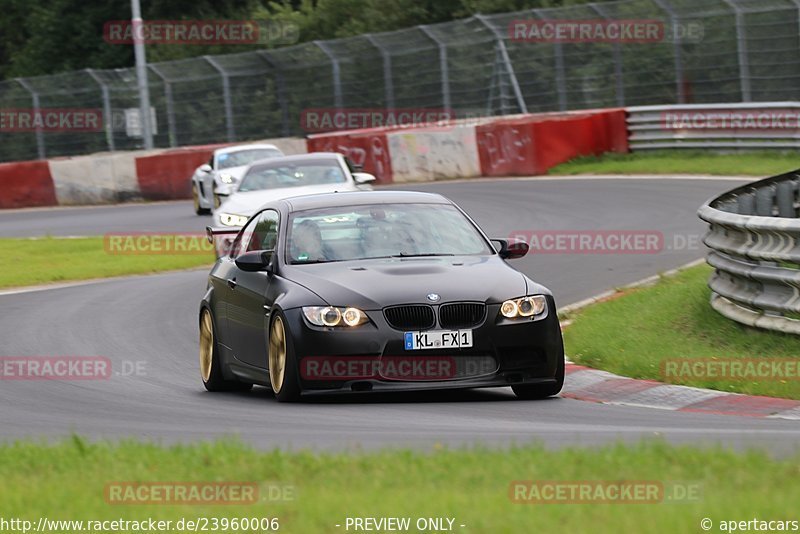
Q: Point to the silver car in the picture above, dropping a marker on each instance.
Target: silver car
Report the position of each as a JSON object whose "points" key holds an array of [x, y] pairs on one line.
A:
{"points": [[289, 176], [212, 182]]}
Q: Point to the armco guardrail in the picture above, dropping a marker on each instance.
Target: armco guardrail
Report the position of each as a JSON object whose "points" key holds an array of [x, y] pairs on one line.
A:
{"points": [[716, 126], [753, 237]]}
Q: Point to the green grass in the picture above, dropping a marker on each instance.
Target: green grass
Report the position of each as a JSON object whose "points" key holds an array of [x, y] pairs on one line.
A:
{"points": [[632, 334], [67, 481], [684, 162], [45, 260]]}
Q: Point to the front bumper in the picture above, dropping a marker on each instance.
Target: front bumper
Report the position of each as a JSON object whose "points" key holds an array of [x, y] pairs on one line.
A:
{"points": [[520, 351]]}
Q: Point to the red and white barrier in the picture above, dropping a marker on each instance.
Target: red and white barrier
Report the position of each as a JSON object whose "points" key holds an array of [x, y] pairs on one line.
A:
{"points": [[26, 183], [523, 145], [110, 177]]}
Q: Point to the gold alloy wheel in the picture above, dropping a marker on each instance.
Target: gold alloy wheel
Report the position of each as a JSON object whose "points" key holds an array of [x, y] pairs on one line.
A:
{"points": [[195, 198], [206, 345], [277, 354]]}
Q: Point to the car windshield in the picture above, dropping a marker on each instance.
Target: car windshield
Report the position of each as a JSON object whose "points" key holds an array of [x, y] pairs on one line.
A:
{"points": [[382, 230], [245, 157], [278, 175]]}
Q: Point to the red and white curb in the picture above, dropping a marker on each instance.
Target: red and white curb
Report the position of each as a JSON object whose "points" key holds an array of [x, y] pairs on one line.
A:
{"points": [[587, 384]]}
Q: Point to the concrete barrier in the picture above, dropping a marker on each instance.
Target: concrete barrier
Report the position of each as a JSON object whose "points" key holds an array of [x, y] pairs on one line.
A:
{"points": [[26, 184], [531, 145], [98, 179], [434, 153], [368, 148], [519, 145], [166, 176]]}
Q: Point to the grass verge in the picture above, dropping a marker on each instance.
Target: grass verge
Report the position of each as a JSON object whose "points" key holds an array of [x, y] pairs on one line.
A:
{"points": [[634, 333], [68, 481], [44, 260], [683, 162]]}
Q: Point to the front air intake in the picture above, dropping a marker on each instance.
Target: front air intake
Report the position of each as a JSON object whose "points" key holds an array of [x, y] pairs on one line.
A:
{"points": [[412, 317]]}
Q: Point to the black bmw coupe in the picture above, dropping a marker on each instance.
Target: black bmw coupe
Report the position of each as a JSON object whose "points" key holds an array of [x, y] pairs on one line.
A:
{"points": [[374, 291]]}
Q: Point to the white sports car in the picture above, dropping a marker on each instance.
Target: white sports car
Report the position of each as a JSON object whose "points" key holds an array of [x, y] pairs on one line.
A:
{"points": [[212, 182], [288, 176]]}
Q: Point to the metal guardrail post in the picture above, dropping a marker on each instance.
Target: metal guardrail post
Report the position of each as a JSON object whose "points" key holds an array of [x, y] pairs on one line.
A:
{"points": [[741, 47], [108, 120], [226, 95], [558, 57], [618, 76], [40, 146], [337, 73], [387, 70], [676, 47], [443, 69], [523, 108], [280, 88], [173, 135]]}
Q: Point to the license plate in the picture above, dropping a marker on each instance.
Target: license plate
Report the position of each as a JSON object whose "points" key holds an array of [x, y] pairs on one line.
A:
{"points": [[438, 339]]}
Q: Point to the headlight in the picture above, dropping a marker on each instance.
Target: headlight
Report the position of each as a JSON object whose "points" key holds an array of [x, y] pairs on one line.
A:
{"points": [[332, 316], [226, 178], [523, 307], [229, 219]]}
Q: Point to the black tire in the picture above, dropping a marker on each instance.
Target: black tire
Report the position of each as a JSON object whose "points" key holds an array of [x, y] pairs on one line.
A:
{"points": [[285, 385], [541, 391], [215, 381], [196, 200]]}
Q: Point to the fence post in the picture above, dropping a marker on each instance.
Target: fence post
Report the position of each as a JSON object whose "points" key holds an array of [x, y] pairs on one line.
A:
{"points": [[226, 95], [337, 73], [280, 85], [40, 148], [173, 135], [107, 118], [620, 85], [501, 44], [558, 56], [442, 66], [741, 47], [387, 70], [676, 46]]}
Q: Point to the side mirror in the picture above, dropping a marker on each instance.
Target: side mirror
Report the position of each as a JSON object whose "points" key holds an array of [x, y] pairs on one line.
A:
{"points": [[205, 167], [255, 261], [511, 249], [363, 177]]}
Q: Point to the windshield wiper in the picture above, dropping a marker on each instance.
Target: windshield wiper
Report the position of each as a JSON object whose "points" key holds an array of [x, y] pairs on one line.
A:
{"points": [[406, 255]]}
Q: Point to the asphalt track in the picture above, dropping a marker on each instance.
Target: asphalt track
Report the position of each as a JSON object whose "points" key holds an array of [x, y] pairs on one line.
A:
{"points": [[151, 321]]}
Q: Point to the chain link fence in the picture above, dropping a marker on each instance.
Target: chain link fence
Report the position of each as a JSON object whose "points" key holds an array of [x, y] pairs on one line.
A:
{"points": [[710, 51]]}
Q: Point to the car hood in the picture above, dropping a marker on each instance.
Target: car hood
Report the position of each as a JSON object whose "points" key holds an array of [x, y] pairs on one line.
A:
{"points": [[248, 202], [235, 172], [375, 284]]}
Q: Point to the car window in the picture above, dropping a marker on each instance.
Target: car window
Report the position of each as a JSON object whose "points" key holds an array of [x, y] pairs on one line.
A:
{"points": [[382, 230], [265, 233], [280, 175], [242, 240], [246, 157]]}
